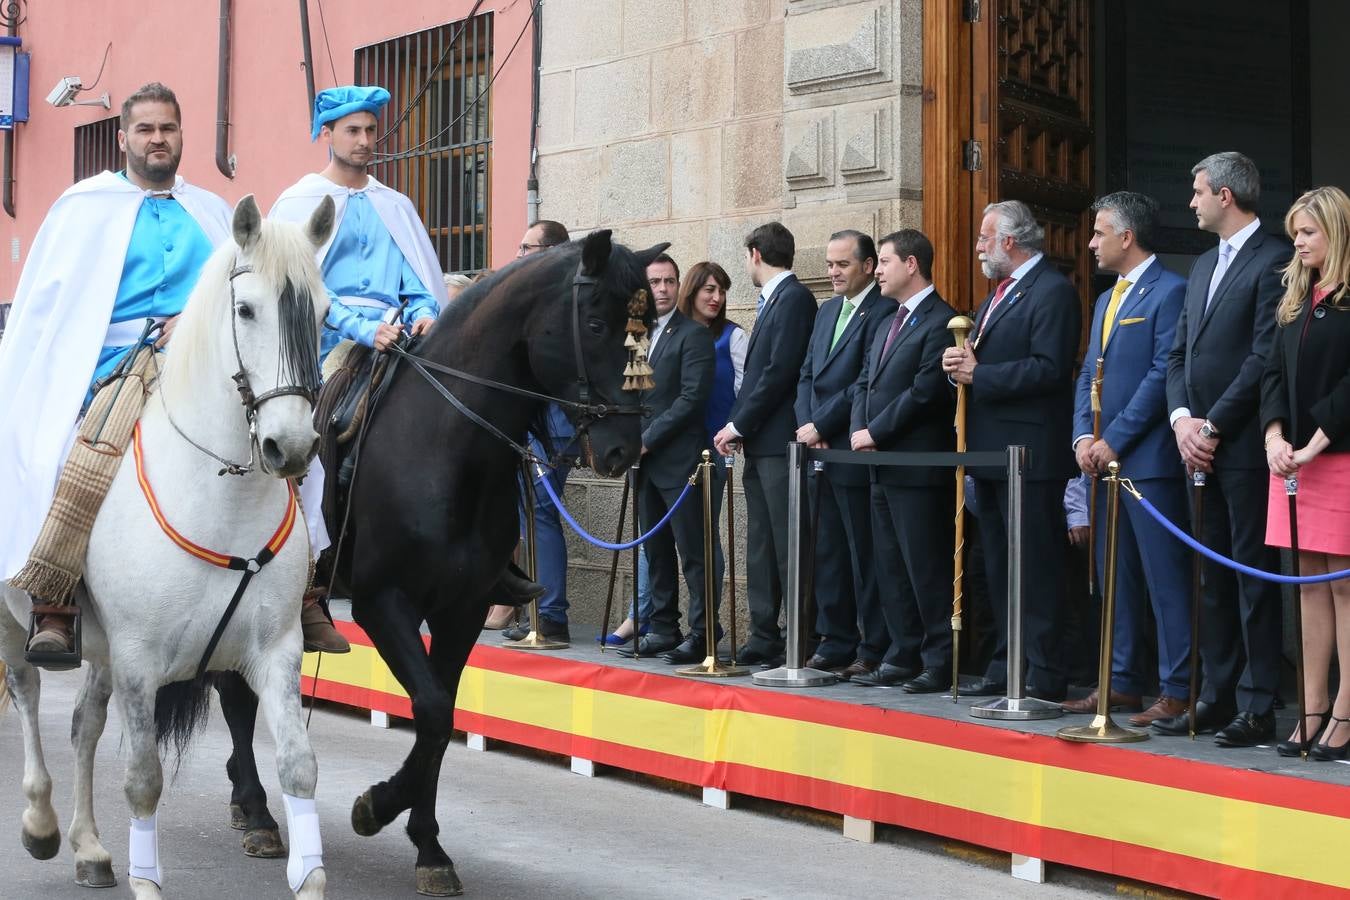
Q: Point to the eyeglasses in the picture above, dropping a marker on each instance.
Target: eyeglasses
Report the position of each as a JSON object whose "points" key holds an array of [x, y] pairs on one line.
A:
{"points": [[526, 248]]}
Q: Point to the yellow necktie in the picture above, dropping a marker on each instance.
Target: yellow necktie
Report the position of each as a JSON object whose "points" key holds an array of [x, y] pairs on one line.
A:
{"points": [[1112, 308]]}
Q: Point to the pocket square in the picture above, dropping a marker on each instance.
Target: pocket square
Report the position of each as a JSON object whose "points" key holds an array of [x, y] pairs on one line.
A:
{"points": [[1134, 321]]}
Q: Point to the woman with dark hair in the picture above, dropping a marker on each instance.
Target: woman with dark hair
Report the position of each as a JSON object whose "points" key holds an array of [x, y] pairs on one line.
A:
{"points": [[703, 298]]}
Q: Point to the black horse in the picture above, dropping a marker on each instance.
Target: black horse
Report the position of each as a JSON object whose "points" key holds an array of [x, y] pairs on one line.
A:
{"points": [[430, 531]]}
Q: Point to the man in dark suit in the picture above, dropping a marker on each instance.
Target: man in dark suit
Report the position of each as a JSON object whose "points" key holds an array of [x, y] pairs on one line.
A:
{"points": [[845, 580], [1019, 369], [1132, 331], [762, 423], [1213, 393], [673, 438], [904, 402]]}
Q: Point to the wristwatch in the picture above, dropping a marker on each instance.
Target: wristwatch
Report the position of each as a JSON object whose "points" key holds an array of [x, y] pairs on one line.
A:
{"points": [[1207, 430]]}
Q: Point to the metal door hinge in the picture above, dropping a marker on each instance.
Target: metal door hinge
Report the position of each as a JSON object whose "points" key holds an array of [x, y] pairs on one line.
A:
{"points": [[972, 156], [970, 10]]}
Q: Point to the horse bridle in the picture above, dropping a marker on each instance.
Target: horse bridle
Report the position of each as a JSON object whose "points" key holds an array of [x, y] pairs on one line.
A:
{"points": [[252, 402]]}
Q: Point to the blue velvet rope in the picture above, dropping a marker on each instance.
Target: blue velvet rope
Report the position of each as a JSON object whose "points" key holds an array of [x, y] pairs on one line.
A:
{"points": [[606, 545], [1222, 560]]}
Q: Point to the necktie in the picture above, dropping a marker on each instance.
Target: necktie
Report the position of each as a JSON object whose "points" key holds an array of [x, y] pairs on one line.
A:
{"points": [[845, 313], [1225, 257], [759, 305], [998, 298], [896, 324], [1112, 308]]}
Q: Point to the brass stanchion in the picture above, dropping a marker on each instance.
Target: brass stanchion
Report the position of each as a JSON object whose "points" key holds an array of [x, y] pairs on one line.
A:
{"points": [[1103, 730], [731, 555], [534, 640], [960, 327], [710, 667], [1197, 588], [1096, 398], [614, 570], [1291, 490]]}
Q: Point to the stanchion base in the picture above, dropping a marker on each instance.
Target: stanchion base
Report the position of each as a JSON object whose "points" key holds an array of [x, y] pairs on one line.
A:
{"points": [[1019, 709], [1101, 731], [534, 641], [783, 676], [711, 667]]}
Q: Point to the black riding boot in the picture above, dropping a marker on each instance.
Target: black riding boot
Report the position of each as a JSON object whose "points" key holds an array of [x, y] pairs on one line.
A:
{"points": [[515, 588]]}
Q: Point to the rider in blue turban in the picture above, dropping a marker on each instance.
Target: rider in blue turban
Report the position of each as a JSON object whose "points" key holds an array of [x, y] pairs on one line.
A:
{"points": [[334, 103]]}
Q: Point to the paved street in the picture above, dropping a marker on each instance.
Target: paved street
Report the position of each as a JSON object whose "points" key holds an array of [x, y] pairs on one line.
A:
{"points": [[517, 827]]}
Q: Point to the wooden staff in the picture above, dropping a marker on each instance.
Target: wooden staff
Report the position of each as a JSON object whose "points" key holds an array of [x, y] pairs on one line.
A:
{"points": [[614, 570], [1096, 396], [1197, 587], [960, 327]]}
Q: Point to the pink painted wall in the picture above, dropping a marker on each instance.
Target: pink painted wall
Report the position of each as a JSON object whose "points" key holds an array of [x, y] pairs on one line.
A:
{"points": [[175, 41]]}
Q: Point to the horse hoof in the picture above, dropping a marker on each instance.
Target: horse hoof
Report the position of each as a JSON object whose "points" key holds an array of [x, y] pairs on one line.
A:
{"points": [[238, 821], [438, 881], [42, 847], [364, 822], [96, 873], [264, 843]]}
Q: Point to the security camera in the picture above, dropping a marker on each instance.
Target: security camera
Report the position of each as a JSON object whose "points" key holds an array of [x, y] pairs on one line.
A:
{"points": [[64, 92]]}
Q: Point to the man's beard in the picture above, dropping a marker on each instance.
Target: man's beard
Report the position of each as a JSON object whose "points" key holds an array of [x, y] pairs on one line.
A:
{"points": [[156, 171], [351, 163], [995, 264]]}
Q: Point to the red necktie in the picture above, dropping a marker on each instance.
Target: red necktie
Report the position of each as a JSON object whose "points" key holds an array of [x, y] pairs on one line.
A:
{"points": [[998, 297], [896, 324]]}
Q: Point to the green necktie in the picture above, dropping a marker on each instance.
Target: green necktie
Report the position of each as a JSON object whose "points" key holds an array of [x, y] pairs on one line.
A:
{"points": [[845, 313]]}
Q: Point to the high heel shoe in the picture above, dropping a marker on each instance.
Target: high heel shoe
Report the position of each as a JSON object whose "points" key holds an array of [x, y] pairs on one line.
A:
{"points": [[1295, 748], [615, 640], [1326, 752]]}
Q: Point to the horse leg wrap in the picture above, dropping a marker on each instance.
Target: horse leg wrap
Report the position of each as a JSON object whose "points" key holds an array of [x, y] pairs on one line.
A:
{"points": [[302, 829], [144, 846]]}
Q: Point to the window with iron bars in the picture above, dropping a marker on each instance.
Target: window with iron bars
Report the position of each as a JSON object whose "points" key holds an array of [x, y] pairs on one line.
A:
{"points": [[436, 132], [96, 148]]}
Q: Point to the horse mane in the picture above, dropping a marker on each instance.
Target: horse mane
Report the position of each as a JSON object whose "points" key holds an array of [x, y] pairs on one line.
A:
{"points": [[282, 255]]}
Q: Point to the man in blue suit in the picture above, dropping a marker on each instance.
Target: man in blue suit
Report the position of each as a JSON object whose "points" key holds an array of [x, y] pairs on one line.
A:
{"points": [[1133, 327]]}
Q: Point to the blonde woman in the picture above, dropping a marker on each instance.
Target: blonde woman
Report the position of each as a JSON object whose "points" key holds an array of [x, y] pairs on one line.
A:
{"points": [[1305, 409]]}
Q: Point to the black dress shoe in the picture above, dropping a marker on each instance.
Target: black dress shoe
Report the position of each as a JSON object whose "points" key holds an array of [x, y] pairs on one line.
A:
{"points": [[986, 687], [1208, 719], [548, 629], [1049, 694], [884, 675], [1247, 730], [691, 651], [930, 681], [753, 656], [651, 645], [827, 665]]}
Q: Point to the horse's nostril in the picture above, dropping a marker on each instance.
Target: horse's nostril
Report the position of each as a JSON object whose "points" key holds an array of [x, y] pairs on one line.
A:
{"points": [[615, 459], [272, 453]]}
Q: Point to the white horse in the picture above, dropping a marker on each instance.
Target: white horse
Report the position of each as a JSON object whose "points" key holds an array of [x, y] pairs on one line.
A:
{"points": [[150, 602]]}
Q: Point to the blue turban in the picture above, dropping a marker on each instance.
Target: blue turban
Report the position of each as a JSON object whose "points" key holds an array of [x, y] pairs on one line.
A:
{"points": [[334, 103]]}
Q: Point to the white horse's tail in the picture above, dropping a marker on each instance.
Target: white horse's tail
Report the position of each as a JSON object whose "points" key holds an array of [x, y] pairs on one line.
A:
{"points": [[4, 688]]}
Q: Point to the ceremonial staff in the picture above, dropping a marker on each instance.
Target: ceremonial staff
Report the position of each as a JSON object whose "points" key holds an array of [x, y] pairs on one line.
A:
{"points": [[1096, 397], [960, 327], [1197, 580], [614, 569]]}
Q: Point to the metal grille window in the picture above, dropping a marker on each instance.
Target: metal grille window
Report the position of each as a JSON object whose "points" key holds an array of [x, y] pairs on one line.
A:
{"points": [[436, 132], [96, 148]]}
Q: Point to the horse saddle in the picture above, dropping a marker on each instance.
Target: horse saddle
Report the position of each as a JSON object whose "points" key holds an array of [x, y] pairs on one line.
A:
{"points": [[353, 378]]}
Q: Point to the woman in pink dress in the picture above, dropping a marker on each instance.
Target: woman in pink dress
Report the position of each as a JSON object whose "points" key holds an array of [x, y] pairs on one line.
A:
{"points": [[1305, 407]]}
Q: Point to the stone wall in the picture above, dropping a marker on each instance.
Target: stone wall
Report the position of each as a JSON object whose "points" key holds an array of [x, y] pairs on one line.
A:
{"points": [[693, 121]]}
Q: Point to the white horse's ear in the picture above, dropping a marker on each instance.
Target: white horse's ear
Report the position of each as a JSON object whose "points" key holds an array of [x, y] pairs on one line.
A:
{"points": [[320, 224], [247, 222]]}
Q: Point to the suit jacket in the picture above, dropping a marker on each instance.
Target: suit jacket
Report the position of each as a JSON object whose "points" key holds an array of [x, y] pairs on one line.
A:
{"points": [[829, 376], [1134, 375], [1023, 387], [674, 433], [1219, 355], [763, 409], [1307, 381], [904, 398]]}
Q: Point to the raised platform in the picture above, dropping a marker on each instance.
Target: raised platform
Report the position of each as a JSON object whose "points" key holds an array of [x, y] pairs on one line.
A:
{"points": [[1169, 811]]}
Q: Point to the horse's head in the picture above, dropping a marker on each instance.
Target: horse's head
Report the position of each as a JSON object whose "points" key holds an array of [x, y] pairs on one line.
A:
{"points": [[576, 344], [252, 326]]}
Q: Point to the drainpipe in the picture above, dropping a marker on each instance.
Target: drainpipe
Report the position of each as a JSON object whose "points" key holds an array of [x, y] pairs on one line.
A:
{"points": [[7, 200], [224, 161], [308, 57], [532, 183]]}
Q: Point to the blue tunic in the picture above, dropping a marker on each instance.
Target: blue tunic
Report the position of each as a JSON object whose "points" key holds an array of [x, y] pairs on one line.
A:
{"points": [[724, 385], [364, 262], [164, 258]]}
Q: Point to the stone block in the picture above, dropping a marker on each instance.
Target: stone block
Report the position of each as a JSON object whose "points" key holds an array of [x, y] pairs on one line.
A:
{"points": [[865, 142], [908, 32], [752, 164], [908, 133], [613, 100], [812, 226], [635, 181], [705, 17], [651, 23], [693, 84], [577, 32], [759, 70], [555, 110], [726, 247], [696, 173], [838, 47], [567, 188], [808, 149], [688, 245]]}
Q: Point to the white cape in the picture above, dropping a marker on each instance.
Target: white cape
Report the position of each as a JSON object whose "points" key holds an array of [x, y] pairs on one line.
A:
{"points": [[52, 341], [396, 211]]}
